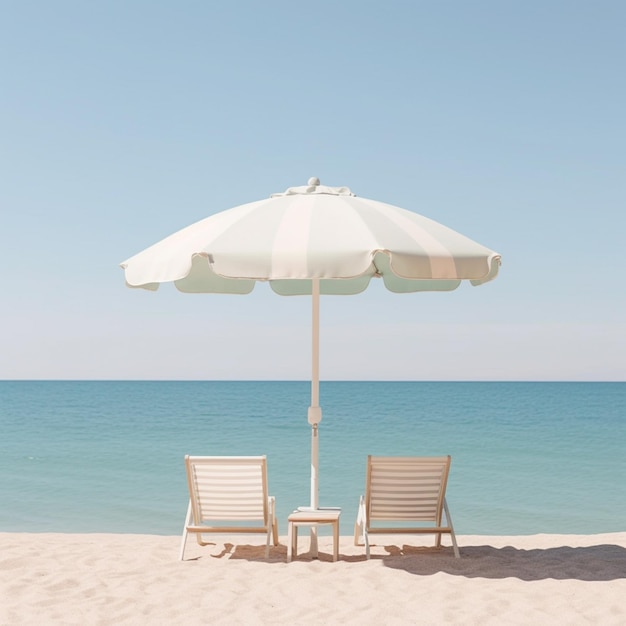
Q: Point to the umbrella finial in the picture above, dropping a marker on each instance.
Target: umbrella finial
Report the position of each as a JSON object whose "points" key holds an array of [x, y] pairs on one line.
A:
{"points": [[314, 187]]}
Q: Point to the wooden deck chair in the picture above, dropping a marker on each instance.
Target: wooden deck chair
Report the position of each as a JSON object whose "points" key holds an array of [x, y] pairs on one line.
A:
{"points": [[229, 494], [404, 495]]}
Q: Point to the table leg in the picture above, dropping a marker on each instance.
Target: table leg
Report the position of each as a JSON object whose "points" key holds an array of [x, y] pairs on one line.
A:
{"points": [[289, 541], [295, 540]]}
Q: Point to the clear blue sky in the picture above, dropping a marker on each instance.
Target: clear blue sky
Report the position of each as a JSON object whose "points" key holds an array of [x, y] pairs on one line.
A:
{"points": [[123, 121]]}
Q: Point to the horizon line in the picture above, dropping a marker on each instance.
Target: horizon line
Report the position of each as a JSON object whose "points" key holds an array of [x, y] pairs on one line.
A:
{"points": [[308, 381]]}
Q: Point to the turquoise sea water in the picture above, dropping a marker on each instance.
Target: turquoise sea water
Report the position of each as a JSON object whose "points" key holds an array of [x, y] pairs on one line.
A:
{"points": [[108, 456]]}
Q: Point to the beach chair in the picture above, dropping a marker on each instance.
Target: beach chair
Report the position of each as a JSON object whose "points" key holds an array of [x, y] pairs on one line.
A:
{"points": [[404, 495], [229, 494]]}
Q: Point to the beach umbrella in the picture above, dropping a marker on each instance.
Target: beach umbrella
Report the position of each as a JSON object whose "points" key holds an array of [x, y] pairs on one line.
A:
{"points": [[313, 240]]}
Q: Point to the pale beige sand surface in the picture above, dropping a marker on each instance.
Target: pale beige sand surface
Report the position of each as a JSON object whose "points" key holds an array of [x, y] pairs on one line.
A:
{"points": [[137, 579]]}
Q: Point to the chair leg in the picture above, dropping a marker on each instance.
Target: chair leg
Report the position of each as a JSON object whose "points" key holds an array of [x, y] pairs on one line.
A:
{"points": [[185, 533], [359, 525], [182, 546], [455, 547], [272, 532], [275, 532]]}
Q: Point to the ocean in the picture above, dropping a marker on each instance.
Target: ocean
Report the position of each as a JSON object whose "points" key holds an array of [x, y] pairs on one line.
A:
{"points": [[106, 456]]}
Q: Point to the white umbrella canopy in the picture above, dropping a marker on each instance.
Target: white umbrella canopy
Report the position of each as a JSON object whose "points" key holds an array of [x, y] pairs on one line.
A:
{"points": [[313, 232], [313, 240]]}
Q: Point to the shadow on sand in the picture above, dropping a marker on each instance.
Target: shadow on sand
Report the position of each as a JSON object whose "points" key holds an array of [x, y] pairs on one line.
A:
{"points": [[591, 563], [602, 562]]}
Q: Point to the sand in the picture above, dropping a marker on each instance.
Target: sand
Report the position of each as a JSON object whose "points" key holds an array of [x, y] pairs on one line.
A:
{"points": [[136, 579]]}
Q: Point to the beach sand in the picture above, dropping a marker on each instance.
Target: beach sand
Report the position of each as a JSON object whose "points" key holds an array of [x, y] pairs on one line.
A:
{"points": [[136, 579]]}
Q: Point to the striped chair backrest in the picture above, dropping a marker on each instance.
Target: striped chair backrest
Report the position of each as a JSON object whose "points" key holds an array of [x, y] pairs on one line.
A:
{"points": [[228, 488], [406, 488]]}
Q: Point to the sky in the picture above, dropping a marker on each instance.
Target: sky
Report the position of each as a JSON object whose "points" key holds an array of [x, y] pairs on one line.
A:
{"points": [[124, 121]]}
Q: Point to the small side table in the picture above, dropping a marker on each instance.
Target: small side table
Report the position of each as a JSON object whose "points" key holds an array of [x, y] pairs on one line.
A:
{"points": [[311, 518]]}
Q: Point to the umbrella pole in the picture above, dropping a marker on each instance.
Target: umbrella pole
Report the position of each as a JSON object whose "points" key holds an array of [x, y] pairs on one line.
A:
{"points": [[315, 412]]}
